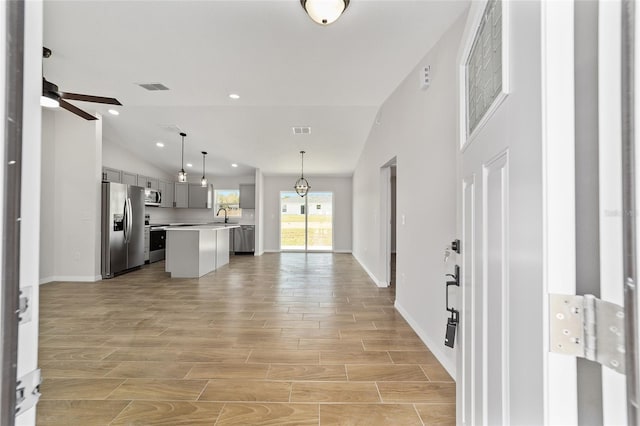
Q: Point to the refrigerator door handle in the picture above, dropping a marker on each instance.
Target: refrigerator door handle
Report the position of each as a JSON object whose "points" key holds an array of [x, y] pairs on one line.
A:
{"points": [[125, 220], [129, 219]]}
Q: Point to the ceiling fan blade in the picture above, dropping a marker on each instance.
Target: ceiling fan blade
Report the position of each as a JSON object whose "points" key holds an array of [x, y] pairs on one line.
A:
{"points": [[77, 111], [89, 98]]}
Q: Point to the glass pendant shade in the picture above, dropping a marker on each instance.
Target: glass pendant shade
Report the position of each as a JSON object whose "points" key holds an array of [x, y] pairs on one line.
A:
{"points": [[324, 12], [302, 185], [203, 181], [182, 175]]}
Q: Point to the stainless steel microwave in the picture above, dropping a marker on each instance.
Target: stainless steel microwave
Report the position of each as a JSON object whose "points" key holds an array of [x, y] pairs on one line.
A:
{"points": [[152, 197]]}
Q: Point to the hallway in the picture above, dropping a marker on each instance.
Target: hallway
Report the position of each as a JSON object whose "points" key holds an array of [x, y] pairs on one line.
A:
{"points": [[276, 339]]}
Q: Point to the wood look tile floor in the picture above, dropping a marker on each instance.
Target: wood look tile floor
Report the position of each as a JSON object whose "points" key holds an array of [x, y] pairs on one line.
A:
{"points": [[280, 339]]}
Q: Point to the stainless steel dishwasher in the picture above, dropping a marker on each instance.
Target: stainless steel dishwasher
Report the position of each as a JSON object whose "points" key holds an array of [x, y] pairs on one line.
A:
{"points": [[244, 239]]}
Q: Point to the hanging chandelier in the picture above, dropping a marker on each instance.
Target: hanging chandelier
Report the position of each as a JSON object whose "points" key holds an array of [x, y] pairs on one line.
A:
{"points": [[324, 12], [302, 185], [203, 181], [182, 175]]}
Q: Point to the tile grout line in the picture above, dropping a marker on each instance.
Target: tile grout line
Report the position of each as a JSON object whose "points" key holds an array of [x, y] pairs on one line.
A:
{"points": [[418, 413], [120, 412], [379, 394], [224, 405]]}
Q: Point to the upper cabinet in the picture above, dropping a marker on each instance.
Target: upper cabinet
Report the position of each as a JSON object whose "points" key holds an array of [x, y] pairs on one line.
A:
{"points": [[148, 182], [167, 191], [129, 178], [200, 197], [247, 196], [181, 195], [111, 175]]}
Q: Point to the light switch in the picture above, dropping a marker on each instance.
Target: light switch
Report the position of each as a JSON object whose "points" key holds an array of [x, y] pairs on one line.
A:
{"points": [[403, 219]]}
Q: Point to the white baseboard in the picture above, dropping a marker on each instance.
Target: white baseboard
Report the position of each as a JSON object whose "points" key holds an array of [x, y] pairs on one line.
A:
{"points": [[342, 251], [271, 251], [434, 347], [371, 275], [70, 278]]}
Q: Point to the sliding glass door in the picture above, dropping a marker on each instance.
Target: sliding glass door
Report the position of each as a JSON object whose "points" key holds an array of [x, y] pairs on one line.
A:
{"points": [[306, 223]]}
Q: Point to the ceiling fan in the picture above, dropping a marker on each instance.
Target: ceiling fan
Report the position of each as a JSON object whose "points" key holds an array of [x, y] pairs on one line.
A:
{"points": [[53, 98]]}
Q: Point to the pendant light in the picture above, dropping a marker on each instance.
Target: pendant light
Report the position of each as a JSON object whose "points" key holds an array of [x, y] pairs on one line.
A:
{"points": [[324, 12], [302, 186], [182, 175], [203, 181]]}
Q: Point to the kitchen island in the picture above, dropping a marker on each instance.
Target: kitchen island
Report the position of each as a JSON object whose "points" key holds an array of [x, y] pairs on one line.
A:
{"points": [[193, 251]]}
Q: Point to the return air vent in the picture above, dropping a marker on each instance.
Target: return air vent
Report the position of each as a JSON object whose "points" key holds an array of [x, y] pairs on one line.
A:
{"points": [[173, 128], [153, 86], [301, 130]]}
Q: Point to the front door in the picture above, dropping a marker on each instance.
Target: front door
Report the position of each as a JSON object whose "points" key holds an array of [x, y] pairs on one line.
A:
{"points": [[523, 67]]}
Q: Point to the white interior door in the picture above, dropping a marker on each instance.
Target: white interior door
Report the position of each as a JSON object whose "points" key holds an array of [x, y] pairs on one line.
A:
{"points": [[517, 229]]}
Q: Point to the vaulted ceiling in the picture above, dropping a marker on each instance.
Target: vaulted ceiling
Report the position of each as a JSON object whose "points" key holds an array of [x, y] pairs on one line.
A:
{"points": [[288, 71]]}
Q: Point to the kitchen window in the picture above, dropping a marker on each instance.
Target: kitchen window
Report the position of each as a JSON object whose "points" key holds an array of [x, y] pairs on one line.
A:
{"points": [[228, 199]]}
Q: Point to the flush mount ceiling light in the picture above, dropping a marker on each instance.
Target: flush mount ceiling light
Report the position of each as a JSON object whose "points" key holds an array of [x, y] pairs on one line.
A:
{"points": [[234, 165], [324, 12], [182, 175], [159, 144], [234, 96], [113, 112], [203, 181], [302, 186]]}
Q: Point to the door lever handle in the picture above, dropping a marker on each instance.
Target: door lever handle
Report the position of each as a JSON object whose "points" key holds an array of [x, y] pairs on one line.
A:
{"points": [[455, 282]]}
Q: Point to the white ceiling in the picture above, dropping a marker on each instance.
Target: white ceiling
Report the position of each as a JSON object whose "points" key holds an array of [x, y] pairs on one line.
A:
{"points": [[288, 71]]}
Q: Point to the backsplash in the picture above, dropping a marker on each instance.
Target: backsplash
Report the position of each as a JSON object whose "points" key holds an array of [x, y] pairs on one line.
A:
{"points": [[164, 215]]}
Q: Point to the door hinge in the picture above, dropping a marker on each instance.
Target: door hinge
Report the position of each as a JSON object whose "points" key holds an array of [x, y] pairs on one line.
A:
{"points": [[24, 307], [587, 327], [28, 391]]}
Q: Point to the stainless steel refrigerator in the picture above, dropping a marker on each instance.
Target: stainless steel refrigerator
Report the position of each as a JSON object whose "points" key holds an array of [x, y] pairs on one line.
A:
{"points": [[122, 228]]}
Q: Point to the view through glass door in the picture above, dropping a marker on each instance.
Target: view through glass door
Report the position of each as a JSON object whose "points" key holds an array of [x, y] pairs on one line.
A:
{"points": [[306, 223]]}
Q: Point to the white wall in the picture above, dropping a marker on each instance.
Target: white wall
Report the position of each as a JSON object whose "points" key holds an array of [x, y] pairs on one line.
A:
{"points": [[419, 128], [342, 208], [116, 156], [71, 176], [259, 213]]}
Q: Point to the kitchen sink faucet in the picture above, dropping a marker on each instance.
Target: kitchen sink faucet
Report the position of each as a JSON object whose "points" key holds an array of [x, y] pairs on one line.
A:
{"points": [[226, 219]]}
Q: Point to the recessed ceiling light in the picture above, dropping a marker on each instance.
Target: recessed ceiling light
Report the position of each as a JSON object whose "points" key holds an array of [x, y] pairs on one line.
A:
{"points": [[234, 165], [159, 144], [189, 165], [113, 112], [234, 96]]}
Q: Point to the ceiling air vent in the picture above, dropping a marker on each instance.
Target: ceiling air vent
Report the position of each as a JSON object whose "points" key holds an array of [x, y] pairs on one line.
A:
{"points": [[153, 86], [173, 128], [301, 130]]}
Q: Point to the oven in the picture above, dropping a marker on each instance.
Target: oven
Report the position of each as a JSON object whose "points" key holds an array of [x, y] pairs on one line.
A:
{"points": [[157, 243]]}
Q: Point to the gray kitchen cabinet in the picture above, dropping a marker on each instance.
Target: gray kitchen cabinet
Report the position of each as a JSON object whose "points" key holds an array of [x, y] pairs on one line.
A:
{"points": [[129, 178], [111, 175], [247, 196], [181, 195], [148, 182], [167, 191], [200, 197]]}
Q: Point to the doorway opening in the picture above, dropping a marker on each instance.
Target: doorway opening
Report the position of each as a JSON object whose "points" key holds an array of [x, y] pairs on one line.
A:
{"points": [[306, 223], [388, 176]]}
